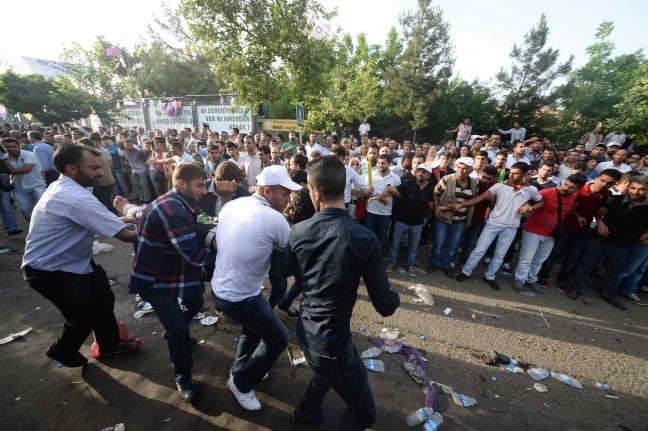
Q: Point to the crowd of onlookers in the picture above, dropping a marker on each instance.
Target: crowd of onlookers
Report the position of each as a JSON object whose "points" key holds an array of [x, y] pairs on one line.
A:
{"points": [[407, 193]]}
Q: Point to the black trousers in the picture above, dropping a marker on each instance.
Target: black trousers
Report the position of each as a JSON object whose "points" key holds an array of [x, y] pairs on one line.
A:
{"points": [[86, 302]]}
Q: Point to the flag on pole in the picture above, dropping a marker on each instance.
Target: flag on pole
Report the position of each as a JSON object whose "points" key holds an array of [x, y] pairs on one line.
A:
{"points": [[113, 52]]}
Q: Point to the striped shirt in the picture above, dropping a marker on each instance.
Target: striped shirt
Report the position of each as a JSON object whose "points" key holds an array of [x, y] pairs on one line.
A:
{"points": [[63, 225]]}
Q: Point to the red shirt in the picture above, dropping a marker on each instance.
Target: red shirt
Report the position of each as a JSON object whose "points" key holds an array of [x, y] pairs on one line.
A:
{"points": [[480, 209], [544, 220], [587, 206]]}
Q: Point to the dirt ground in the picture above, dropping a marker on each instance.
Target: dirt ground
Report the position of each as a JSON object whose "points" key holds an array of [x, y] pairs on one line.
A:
{"points": [[586, 339]]}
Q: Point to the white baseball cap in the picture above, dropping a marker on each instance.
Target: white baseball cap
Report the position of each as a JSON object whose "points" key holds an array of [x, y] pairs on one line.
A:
{"points": [[276, 175], [468, 161]]}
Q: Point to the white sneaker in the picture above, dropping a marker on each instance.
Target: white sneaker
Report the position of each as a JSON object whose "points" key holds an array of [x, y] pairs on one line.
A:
{"points": [[247, 400]]}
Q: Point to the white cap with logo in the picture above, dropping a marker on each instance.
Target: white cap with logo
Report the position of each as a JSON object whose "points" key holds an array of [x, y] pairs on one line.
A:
{"points": [[277, 176]]}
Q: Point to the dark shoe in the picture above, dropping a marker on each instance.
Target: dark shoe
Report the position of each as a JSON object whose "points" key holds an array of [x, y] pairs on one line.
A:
{"points": [[492, 283], [290, 310], [572, 294], [15, 232], [562, 287], [535, 287], [450, 272], [543, 282], [430, 268], [614, 301], [124, 346], [321, 419], [72, 360], [186, 394], [461, 277], [506, 268]]}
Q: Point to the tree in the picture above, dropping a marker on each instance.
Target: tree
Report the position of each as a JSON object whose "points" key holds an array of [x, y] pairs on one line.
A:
{"points": [[260, 48], [51, 101], [464, 99], [593, 90], [527, 89], [421, 71], [631, 113]]}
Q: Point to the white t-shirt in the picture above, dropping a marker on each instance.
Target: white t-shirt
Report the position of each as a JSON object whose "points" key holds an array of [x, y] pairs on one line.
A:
{"points": [[184, 158], [510, 161], [31, 179], [248, 231], [508, 201], [610, 165], [353, 179], [380, 184]]}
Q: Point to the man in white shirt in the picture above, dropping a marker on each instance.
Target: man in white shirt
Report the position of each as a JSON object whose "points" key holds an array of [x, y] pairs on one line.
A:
{"points": [[518, 155], [517, 132], [58, 260], [379, 205], [364, 128], [249, 230], [26, 177], [616, 163]]}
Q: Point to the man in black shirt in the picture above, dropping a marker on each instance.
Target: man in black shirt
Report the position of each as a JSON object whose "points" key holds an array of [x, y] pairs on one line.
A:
{"points": [[330, 252], [616, 232]]}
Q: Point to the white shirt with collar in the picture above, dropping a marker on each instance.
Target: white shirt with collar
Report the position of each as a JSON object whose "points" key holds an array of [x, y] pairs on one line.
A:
{"points": [[510, 161], [610, 165]]}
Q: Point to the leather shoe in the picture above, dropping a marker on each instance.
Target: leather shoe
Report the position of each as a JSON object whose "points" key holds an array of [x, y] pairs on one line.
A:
{"points": [[69, 359], [492, 283]]}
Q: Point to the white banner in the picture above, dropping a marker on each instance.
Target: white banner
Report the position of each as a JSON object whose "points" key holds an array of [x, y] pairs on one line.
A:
{"points": [[47, 68], [133, 117], [160, 119], [222, 118]]}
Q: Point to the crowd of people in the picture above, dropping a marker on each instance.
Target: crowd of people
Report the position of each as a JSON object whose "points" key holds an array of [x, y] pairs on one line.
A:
{"points": [[326, 211]]}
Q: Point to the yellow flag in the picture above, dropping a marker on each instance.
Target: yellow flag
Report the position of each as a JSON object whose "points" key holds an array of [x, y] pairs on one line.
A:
{"points": [[369, 174], [28, 116]]}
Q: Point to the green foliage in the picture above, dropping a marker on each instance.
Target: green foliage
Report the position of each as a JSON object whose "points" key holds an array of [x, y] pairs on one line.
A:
{"points": [[421, 71], [631, 113], [51, 101], [527, 88], [593, 92]]}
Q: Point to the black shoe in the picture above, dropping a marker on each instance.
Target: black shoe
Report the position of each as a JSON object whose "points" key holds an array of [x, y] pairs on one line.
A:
{"points": [[15, 232], [124, 346], [290, 310], [72, 360], [186, 394], [492, 283], [461, 277], [430, 268], [614, 301], [450, 272], [321, 419]]}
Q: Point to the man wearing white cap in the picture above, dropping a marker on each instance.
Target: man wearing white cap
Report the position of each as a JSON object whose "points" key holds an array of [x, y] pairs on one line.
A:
{"points": [[448, 224], [249, 230]]}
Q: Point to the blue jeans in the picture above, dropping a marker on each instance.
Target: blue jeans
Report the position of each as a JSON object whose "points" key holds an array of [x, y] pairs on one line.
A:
{"points": [[573, 246], [142, 184], [176, 323], [379, 224], [633, 269], [6, 211], [469, 240], [615, 258], [534, 250], [121, 189], [262, 339], [446, 240], [347, 376], [413, 236], [27, 198], [491, 232]]}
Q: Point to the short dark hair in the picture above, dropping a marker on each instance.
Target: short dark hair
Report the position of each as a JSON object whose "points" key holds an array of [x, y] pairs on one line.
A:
{"points": [[521, 166], [490, 170], [177, 144], [578, 179], [339, 151], [264, 149], [300, 161], [385, 157], [72, 155], [35, 135], [611, 173], [328, 175]]}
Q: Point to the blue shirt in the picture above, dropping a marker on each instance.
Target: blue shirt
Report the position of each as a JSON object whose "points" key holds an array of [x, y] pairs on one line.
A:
{"points": [[114, 153], [167, 252], [45, 154]]}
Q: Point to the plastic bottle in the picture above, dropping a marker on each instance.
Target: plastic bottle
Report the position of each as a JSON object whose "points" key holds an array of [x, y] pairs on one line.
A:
{"points": [[463, 400], [418, 417], [372, 352], [538, 373], [374, 365], [433, 423], [567, 380]]}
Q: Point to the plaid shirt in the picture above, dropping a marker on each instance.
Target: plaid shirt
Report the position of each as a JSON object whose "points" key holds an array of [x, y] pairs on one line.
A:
{"points": [[167, 252]]}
